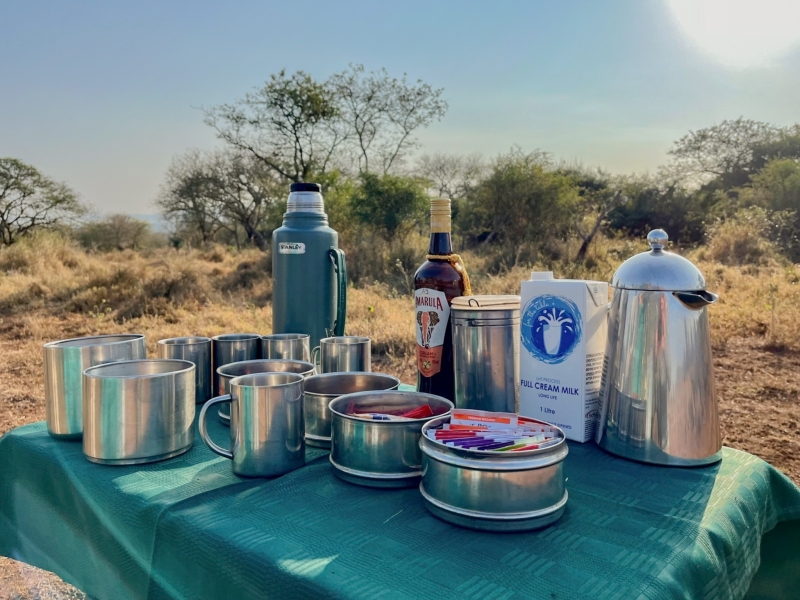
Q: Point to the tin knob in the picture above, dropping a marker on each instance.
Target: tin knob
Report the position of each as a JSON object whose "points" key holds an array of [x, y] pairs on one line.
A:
{"points": [[657, 239]]}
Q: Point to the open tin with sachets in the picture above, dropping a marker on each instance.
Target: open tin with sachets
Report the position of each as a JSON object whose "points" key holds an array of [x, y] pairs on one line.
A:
{"points": [[373, 443], [491, 490]]}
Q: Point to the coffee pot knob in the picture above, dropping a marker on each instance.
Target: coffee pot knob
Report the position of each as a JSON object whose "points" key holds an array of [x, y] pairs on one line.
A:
{"points": [[657, 239]]}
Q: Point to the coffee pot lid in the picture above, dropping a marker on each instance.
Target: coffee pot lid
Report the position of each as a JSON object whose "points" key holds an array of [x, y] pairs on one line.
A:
{"points": [[658, 269]]}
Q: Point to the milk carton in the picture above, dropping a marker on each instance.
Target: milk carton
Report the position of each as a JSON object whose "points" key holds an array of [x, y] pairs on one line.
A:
{"points": [[561, 355]]}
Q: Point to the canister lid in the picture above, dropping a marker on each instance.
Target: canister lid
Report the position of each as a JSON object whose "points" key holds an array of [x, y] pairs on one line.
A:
{"points": [[486, 307], [658, 269]]}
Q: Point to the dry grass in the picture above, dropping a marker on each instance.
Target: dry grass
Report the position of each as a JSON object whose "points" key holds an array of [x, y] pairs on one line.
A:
{"points": [[51, 289]]}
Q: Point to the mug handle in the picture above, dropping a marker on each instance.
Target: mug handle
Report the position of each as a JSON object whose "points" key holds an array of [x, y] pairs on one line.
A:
{"points": [[314, 356], [203, 430]]}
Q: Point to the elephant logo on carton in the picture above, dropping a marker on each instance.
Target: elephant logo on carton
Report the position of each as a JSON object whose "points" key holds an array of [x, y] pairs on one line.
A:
{"points": [[551, 328]]}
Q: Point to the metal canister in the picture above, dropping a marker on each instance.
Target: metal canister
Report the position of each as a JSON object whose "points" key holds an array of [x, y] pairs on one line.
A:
{"points": [[64, 364], [486, 336], [493, 491]]}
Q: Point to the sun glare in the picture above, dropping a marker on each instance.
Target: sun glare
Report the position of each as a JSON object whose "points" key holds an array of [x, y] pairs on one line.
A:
{"points": [[740, 33]]}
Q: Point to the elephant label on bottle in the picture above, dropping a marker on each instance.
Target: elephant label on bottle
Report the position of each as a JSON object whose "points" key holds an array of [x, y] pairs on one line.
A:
{"points": [[433, 319]]}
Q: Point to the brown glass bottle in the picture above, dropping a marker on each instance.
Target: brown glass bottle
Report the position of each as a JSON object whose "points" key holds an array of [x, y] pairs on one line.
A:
{"points": [[436, 283]]}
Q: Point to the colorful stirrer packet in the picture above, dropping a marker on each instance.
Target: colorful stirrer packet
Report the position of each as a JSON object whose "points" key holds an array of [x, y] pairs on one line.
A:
{"points": [[494, 432], [416, 413]]}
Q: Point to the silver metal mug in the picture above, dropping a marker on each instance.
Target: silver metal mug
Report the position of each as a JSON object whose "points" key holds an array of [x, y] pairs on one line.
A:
{"points": [[138, 411], [292, 346], [342, 354], [267, 413], [250, 367], [232, 347], [319, 390], [196, 350], [64, 364], [486, 339]]}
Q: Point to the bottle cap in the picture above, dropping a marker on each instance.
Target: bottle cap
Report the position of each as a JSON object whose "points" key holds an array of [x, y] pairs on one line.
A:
{"points": [[440, 215]]}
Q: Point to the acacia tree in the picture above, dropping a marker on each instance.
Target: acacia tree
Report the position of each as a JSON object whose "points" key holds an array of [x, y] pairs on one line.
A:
{"points": [[297, 126], [291, 125], [222, 190], [189, 195], [381, 113], [30, 200], [451, 175], [115, 232], [246, 192], [725, 151]]}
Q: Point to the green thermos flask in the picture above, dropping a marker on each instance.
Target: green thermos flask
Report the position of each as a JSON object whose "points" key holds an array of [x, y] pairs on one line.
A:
{"points": [[308, 269]]}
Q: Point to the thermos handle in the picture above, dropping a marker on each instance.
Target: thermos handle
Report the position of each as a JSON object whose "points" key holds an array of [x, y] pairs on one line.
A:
{"points": [[314, 357], [340, 266], [201, 426]]}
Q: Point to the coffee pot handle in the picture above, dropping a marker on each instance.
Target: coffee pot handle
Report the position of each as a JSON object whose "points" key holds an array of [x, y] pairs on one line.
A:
{"points": [[340, 267], [201, 427]]}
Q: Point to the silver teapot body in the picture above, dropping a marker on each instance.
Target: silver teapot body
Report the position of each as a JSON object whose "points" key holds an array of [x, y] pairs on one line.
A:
{"points": [[658, 399]]}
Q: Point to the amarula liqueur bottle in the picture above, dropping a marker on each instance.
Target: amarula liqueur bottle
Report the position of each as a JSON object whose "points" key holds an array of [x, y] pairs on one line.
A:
{"points": [[441, 278]]}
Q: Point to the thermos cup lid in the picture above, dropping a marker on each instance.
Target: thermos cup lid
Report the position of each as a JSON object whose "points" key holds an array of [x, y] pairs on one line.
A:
{"points": [[658, 269], [305, 197], [306, 187]]}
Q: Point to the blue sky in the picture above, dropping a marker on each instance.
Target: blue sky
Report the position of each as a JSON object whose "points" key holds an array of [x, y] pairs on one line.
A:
{"points": [[103, 94]]}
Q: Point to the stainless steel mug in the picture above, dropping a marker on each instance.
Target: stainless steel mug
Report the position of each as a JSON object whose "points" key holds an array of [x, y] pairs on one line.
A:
{"points": [[343, 353], [64, 364], [267, 417], [138, 411], [486, 338], [250, 367], [233, 347], [292, 346], [319, 390], [196, 350]]}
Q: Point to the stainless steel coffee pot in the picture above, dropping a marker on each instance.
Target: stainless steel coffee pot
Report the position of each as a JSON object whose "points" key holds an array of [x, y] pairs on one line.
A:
{"points": [[658, 400]]}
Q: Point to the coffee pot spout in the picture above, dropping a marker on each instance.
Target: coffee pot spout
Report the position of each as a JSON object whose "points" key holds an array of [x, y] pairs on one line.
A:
{"points": [[696, 300]]}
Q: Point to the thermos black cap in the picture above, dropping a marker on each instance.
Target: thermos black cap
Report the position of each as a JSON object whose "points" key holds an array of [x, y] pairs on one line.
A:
{"points": [[306, 187]]}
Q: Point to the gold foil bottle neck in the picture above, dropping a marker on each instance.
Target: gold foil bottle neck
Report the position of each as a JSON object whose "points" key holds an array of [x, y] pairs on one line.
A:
{"points": [[440, 215]]}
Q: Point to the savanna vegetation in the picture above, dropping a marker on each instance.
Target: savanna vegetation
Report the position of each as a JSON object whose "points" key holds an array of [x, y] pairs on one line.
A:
{"points": [[729, 199]]}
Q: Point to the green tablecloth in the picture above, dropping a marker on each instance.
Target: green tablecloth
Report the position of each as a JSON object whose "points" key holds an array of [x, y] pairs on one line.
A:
{"points": [[189, 528]]}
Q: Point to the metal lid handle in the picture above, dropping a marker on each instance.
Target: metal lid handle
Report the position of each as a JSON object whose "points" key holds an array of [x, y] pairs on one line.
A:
{"points": [[657, 239]]}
